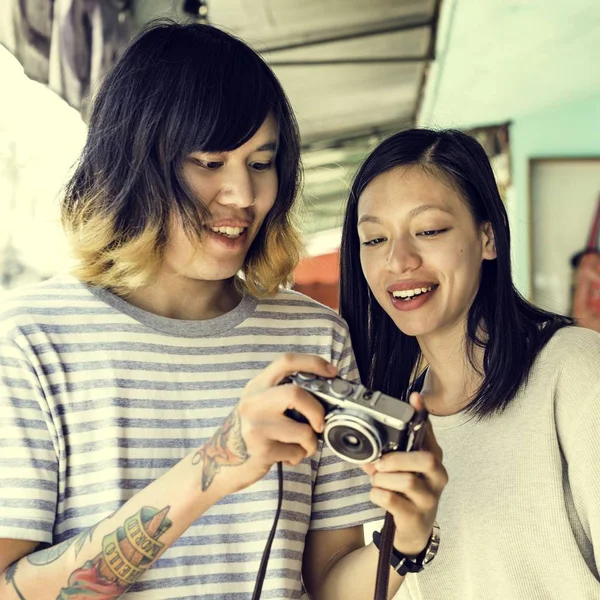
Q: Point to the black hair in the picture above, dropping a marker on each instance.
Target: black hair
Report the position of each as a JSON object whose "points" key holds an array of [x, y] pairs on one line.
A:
{"points": [[177, 88], [516, 330]]}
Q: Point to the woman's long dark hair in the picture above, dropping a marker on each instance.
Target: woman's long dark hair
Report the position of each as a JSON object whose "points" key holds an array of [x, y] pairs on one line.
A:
{"points": [[516, 330]]}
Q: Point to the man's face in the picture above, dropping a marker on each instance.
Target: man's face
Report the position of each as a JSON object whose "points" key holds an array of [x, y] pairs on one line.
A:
{"points": [[238, 188]]}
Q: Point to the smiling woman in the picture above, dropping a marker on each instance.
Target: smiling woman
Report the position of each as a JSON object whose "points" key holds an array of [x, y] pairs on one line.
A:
{"points": [[513, 391]]}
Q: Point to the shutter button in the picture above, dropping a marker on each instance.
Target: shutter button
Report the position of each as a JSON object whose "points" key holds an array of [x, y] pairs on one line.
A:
{"points": [[341, 388]]}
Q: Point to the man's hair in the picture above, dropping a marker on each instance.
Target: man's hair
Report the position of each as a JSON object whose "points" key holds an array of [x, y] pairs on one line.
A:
{"points": [[515, 330], [176, 89]]}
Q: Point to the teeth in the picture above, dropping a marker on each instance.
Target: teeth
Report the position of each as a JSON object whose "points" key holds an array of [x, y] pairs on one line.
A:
{"points": [[230, 231], [412, 293]]}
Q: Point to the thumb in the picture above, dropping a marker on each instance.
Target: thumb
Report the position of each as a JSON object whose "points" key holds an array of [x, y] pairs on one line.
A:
{"points": [[416, 401]]}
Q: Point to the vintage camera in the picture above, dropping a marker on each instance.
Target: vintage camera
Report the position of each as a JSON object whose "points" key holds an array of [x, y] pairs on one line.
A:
{"points": [[361, 424]]}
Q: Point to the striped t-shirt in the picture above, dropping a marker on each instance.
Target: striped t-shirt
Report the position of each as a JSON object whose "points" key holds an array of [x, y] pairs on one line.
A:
{"points": [[99, 398]]}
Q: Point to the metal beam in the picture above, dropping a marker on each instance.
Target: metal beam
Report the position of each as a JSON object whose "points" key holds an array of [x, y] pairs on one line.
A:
{"points": [[351, 61], [391, 28]]}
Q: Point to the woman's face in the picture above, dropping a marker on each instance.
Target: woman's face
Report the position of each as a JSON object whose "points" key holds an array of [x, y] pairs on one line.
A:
{"points": [[421, 250]]}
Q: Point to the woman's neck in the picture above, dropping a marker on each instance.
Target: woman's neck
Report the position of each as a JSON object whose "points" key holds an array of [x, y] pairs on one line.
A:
{"points": [[451, 380]]}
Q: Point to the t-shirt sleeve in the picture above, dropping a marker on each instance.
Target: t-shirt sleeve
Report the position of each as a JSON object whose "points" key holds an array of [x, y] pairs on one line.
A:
{"points": [[578, 416], [28, 459], [341, 490]]}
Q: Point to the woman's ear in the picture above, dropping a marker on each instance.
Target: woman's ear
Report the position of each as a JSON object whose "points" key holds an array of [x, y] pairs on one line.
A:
{"points": [[488, 241]]}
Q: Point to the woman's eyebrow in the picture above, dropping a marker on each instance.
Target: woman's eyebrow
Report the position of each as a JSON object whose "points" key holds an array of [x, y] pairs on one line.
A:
{"points": [[369, 219], [413, 213]]}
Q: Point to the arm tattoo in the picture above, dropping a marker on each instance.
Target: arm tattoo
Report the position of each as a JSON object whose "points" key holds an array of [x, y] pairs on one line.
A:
{"points": [[49, 555], [126, 554], [10, 578], [225, 448]]}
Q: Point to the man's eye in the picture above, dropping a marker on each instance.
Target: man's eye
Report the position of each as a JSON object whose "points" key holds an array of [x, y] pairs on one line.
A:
{"points": [[373, 242], [261, 166], [211, 165]]}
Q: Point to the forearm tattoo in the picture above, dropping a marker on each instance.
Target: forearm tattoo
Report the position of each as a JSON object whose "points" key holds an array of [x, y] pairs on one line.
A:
{"points": [[226, 448], [126, 554]]}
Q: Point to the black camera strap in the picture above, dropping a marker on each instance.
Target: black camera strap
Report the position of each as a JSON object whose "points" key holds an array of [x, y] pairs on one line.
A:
{"points": [[262, 569], [382, 578]]}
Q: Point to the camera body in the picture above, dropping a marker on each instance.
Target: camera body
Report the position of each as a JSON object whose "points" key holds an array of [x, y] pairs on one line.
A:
{"points": [[361, 424]]}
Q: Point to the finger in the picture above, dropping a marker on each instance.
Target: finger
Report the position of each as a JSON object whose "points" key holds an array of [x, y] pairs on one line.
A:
{"points": [[286, 365], [289, 454], [422, 462], [416, 401], [414, 488], [289, 396], [368, 468], [288, 431], [392, 502]]}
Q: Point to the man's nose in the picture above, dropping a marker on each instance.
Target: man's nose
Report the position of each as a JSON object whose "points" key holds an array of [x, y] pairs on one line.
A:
{"points": [[237, 189]]}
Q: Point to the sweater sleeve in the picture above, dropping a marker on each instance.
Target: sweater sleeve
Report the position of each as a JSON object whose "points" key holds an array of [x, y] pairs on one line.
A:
{"points": [[577, 398]]}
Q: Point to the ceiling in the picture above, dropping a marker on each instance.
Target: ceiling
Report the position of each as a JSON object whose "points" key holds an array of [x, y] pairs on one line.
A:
{"points": [[354, 70]]}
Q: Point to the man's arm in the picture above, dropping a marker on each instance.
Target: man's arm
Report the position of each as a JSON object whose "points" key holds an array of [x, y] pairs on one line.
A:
{"points": [[102, 562], [105, 560]]}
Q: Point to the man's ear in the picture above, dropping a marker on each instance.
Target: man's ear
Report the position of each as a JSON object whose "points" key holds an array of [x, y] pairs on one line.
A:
{"points": [[488, 241]]}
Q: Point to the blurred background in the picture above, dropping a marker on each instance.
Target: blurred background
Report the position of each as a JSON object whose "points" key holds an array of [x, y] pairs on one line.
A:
{"points": [[521, 75]]}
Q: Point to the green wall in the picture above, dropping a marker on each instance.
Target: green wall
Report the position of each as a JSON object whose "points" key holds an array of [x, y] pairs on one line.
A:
{"points": [[567, 130]]}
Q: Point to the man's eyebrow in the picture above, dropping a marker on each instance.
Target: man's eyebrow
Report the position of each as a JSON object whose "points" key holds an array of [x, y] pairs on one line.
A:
{"points": [[268, 147], [413, 213]]}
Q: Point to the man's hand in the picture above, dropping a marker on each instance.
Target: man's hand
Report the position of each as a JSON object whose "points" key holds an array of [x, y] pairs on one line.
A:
{"points": [[409, 485], [257, 434]]}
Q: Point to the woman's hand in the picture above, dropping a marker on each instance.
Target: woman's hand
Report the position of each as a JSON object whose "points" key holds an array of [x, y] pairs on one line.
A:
{"points": [[409, 485]]}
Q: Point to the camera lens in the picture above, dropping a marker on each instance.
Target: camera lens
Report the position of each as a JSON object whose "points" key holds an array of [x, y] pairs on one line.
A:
{"points": [[352, 438]]}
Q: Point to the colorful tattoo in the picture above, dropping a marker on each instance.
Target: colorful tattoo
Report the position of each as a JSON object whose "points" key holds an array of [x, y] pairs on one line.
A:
{"points": [[10, 578], [126, 554], [49, 555], [225, 448]]}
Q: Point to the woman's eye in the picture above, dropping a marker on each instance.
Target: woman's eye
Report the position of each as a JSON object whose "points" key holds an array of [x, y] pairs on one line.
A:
{"points": [[373, 242], [261, 166], [431, 232]]}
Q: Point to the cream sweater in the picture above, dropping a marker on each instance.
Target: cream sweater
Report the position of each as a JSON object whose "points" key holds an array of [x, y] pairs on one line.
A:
{"points": [[520, 516]]}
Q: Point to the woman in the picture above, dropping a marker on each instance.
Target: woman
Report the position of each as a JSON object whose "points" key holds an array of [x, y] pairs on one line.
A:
{"points": [[513, 391]]}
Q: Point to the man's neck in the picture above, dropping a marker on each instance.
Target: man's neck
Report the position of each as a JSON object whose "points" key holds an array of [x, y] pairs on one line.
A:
{"points": [[186, 299]]}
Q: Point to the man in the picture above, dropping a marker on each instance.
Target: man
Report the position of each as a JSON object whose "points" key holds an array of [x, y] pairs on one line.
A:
{"points": [[142, 409]]}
